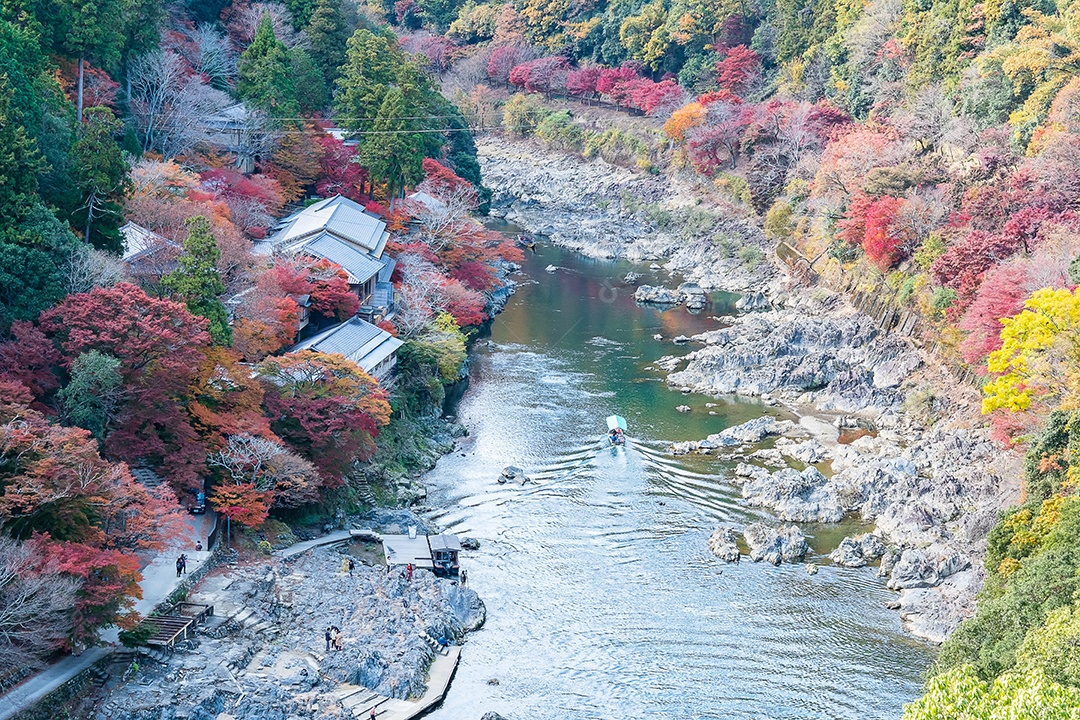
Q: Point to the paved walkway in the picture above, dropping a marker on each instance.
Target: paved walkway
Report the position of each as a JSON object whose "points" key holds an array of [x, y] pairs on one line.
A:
{"points": [[359, 700], [159, 581], [331, 539]]}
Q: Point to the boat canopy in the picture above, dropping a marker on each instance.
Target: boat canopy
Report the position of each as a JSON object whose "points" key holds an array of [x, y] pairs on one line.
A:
{"points": [[616, 421]]}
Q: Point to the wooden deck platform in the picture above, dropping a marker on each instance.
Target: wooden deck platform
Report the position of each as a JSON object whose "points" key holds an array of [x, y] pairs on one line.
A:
{"points": [[359, 700], [167, 629]]}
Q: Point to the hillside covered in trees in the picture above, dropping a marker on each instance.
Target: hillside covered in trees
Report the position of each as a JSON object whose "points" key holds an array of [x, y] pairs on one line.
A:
{"points": [[146, 147], [924, 151]]}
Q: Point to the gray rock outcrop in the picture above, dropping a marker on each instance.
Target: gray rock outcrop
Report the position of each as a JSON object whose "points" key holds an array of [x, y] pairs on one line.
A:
{"points": [[798, 496], [858, 551], [724, 544], [775, 545]]}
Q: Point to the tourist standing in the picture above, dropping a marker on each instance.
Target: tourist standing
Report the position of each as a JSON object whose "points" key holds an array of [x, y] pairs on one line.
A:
{"points": [[327, 635], [352, 565], [464, 577], [408, 572], [179, 565], [345, 565]]}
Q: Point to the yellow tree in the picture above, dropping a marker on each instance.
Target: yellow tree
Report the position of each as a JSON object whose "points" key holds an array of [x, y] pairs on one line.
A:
{"points": [[1039, 359]]}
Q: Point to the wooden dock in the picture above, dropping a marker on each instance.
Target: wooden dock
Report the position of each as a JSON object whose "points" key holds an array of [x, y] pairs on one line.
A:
{"points": [[359, 700]]}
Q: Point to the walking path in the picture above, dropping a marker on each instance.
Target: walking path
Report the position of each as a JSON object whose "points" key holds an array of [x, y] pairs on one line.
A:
{"points": [[331, 539], [159, 581], [359, 700]]}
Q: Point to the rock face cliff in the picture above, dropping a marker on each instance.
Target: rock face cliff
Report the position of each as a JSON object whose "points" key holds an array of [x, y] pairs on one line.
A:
{"points": [[584, 206], [930, 480], [932, 490]]}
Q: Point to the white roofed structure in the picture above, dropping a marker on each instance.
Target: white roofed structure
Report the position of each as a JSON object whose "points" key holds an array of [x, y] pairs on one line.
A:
{"points": [[369, 346], [342, 231]]}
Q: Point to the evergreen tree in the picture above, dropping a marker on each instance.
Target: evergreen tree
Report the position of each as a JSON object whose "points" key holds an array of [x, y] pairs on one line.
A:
{"points": [[100, 172], [264, 77], [142, 32], [34, 255], [88, 30], [197, 281], [393, 152], [372, 64], [310, 86], [27, 79], [93, 395], [20, 161], [301, 11], [328, 32]]}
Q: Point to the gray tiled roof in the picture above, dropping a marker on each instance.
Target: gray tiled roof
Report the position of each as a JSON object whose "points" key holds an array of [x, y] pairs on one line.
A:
{"points": [[360, 341], [339, 216], [360, 266]]}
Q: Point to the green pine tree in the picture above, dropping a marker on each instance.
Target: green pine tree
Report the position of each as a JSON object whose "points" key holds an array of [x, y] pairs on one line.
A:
{"points": [[308, 80], [372, 65], [264, 76], [92, 395], [328, 32], [101, 177], [393, 151], [20, 161], [197, 281]]}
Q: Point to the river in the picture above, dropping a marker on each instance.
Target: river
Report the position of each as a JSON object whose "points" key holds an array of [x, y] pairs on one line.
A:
{"points": [[603, 598]]}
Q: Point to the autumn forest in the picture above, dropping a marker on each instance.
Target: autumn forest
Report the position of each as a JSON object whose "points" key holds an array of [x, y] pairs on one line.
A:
{"points": [[926, 150]]}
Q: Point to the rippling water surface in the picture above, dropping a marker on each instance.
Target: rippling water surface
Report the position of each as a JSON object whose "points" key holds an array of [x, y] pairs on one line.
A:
{"points": [[603, 599]]}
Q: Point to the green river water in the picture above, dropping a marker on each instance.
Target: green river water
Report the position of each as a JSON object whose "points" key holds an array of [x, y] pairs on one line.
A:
{"points": [[603, 598]]}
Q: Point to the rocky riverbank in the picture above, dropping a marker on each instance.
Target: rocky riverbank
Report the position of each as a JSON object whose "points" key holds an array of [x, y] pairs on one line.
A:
{"points": [[606, 211], [928, 479], [263, 655], [925, 474]]}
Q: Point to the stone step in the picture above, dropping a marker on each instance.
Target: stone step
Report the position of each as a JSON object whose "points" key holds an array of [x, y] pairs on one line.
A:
{"points": [[365, 700], [346, 690], [242, 616], [363, 710]]}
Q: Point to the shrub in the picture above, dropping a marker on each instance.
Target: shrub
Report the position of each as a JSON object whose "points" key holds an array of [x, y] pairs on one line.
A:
{"points": [[778, 225], [942, 299], [522, 114], [751, 256], [559, 130]]}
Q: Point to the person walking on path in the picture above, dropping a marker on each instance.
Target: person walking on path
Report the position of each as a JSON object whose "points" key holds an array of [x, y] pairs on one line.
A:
{"points": [[183, 563], [352, 565], [179, 565], [408, 572], [345, 565], [327, 639], [464, 577], [372, 713]]}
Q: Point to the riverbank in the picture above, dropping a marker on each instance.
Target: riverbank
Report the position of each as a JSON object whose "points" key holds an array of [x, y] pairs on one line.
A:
{"points": [[263, 656], [605, 211], [926, 474]]}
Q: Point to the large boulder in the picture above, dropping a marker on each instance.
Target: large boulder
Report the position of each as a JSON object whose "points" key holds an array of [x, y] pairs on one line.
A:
{"points": [[724, 544], [657, 295], [693, 295], [858, 551], [774, 545], [803, 496], [926, 567], [751, 432], [753, 301]]}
